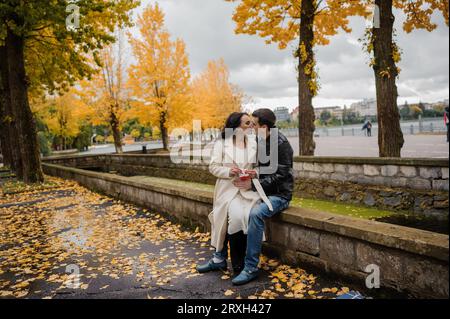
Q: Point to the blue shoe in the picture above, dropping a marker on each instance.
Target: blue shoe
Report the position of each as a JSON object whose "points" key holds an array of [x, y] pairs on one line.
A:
{"points": [[212, 266], [245, 277], [351, 295]]}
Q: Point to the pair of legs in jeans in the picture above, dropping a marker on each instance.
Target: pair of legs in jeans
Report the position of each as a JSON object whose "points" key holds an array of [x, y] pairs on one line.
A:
{"points": [[256, 227]]}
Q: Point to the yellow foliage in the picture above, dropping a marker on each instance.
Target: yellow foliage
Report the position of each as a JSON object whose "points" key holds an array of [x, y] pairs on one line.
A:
{"points": [[135, 133], [214, 97], [63, 115], [420, 12], [105, 93], [279, 20], [159, 81]]}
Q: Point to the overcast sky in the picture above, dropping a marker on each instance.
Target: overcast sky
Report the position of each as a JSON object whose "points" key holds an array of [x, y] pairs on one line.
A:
{"points": [[268, 75]]}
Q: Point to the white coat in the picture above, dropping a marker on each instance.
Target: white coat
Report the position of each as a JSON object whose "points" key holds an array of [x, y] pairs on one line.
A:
{"points": [[221, 163]]}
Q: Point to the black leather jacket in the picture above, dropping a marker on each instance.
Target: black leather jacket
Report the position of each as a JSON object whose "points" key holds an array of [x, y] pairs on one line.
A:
{"points": [[281, 183]]}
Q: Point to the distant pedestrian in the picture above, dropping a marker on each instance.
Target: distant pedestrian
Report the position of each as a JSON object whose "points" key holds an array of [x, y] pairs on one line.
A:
{"points": [[364, 128], [447, 121], [369, 129]]}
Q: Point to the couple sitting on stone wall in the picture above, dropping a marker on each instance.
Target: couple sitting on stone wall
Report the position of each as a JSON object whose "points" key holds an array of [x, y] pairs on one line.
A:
{"points": [[254, 182]]}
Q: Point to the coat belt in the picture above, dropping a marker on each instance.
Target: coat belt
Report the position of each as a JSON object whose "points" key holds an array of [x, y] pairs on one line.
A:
{"points": [[262, 194]]}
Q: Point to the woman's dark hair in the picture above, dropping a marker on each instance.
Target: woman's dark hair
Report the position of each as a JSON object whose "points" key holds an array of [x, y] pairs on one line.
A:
{"points": [[265, 117], [233, 122]]}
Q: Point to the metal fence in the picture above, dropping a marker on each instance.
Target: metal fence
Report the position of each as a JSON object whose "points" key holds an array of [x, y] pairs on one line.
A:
{"points": [[408, 128]]}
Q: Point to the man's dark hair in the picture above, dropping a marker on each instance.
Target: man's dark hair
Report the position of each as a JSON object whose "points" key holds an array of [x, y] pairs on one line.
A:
{"points": [[265, 117]]}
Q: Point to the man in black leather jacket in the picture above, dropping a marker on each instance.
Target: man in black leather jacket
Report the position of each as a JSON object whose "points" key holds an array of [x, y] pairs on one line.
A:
{"points": [[275, 175]]}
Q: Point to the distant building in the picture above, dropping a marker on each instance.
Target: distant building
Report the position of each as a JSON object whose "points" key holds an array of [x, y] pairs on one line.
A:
{"points": [[443, 103], [425, 106], [335, 111], [367, 107], [282, 114]]}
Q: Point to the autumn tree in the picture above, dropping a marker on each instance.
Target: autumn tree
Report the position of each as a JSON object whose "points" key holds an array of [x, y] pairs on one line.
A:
{"points": [[214, 97], [64, 115], [106, 93], [380, 42], [311, 23], [39, 51], [159, 81]]}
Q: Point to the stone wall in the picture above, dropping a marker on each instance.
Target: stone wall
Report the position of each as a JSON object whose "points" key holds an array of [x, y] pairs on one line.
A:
{"points": [[410, 260], [418, 186]]}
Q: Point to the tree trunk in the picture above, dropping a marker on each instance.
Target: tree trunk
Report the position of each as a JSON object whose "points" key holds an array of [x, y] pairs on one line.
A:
{"points": [[5, 140], [25, 123], [306, 115], [390, 136], [164, 133], [115, 126], [7, 119]]}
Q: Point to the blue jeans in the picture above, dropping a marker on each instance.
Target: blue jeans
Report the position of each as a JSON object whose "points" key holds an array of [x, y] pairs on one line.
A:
{"points": [[256, 227]]}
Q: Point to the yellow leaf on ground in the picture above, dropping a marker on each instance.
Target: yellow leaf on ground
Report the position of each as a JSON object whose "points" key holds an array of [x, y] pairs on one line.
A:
{"points": [[229, 292], [5, 293]]}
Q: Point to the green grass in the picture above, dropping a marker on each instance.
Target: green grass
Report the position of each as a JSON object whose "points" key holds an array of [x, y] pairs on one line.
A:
{"points": [[312, 204], [341, 208], [173, 182]]}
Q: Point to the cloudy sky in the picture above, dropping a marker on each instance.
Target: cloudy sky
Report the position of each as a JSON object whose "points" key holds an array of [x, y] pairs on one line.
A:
{"points": [[267, 74]]}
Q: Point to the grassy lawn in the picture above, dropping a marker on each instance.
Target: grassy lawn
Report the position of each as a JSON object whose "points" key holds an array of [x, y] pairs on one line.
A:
{"points": [[313, 204], [341, 208], [172, 182]]}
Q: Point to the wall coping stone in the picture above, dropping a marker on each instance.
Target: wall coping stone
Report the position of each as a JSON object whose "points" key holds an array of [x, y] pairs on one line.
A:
{"points": [[427, 162], [435, 162]]}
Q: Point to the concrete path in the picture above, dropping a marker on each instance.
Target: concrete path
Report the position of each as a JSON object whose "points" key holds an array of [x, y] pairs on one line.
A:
{"points": [[427, 146], [417, 146]]}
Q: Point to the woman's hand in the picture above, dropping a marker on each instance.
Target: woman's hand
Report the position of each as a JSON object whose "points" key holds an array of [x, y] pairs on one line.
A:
{"points": [[234, 172], [244, 185]]}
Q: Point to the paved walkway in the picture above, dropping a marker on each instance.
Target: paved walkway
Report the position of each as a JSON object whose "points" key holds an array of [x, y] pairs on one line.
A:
{"points": [[68, 242], [417, 146], [428, 146]]}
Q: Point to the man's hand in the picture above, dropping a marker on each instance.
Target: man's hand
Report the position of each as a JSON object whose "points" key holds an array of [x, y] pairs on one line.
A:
{"points": [[244, 185], [252, 173]]}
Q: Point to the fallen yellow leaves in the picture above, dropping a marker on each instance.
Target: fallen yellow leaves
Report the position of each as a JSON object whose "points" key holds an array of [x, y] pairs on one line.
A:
{"points": [[229, 292], [45, 232], [331, 290], [6, 293], [69, 227]]}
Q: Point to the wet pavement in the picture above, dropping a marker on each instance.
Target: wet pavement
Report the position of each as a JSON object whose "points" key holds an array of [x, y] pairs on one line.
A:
{"points": [[69, 242]]}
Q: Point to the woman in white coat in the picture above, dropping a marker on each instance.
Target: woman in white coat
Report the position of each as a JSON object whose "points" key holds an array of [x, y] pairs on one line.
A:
{"points": [[233, 156]]}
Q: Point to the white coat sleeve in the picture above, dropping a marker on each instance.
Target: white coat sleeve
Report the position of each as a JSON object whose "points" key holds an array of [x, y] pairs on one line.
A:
{"points": [[216, 163]]}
